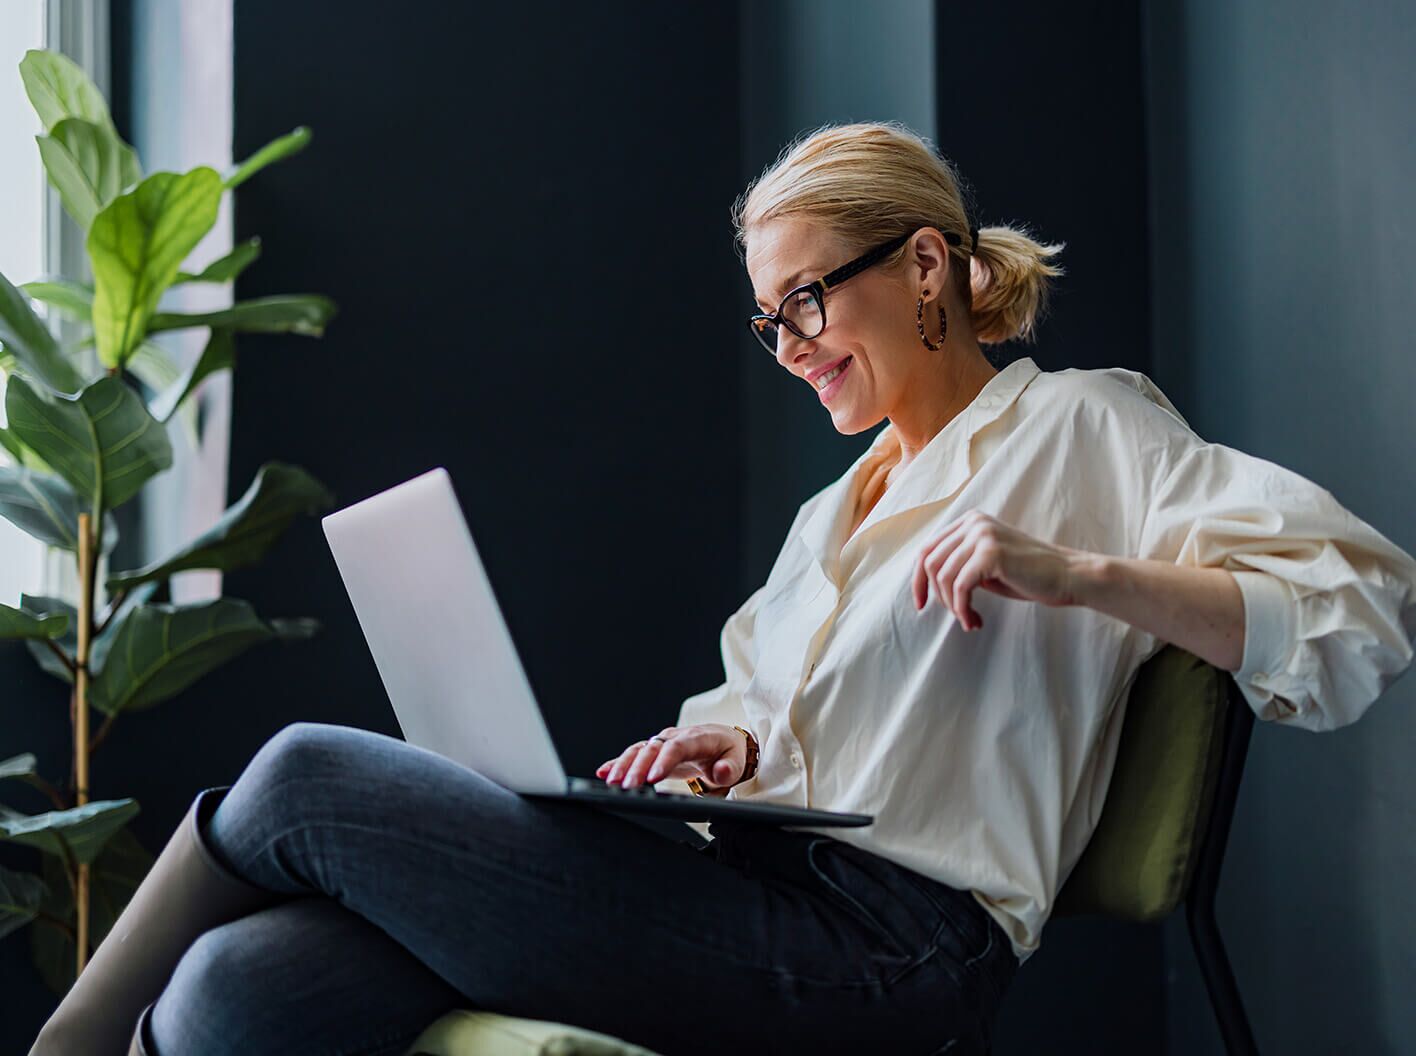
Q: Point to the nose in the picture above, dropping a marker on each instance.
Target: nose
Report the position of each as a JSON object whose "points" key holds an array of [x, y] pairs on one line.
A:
{"points": [[790, 348]]}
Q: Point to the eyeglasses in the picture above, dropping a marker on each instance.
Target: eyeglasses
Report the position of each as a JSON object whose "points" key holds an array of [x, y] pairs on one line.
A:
{"points": [[803, 310]]}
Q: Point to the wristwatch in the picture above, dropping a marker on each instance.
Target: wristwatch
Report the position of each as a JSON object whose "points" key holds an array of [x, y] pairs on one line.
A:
{"points": [[749, 768]]}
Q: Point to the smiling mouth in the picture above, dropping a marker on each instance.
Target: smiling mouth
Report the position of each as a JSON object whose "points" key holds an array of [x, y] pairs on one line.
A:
{"points": [[832, 374]]}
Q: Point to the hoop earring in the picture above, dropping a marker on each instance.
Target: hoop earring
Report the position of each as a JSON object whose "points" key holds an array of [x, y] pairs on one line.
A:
{"points": [[943, 326]]}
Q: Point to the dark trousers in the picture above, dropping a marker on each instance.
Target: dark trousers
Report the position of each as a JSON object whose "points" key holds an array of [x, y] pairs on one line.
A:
{"points": [[418, 886]]}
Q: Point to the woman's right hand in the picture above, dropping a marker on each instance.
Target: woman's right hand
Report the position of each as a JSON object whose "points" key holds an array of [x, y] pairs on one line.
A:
{"points": [[712, 751]]}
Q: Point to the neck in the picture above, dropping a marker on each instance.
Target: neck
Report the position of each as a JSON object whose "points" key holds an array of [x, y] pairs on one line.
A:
{"points": [[960, 373]]}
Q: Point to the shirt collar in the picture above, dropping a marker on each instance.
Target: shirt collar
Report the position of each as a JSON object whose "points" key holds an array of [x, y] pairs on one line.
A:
{"points": [[934, 476]]}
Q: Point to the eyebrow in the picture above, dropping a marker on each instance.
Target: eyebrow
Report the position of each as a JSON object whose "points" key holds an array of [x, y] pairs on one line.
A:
{"points": [[790, 284]]}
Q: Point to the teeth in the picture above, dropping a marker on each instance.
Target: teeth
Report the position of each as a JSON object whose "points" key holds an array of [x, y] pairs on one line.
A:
{"points": [[825, 379]]}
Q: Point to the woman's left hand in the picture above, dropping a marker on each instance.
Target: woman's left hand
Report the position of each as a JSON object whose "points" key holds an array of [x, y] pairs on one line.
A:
{"points": [[978, 550]]}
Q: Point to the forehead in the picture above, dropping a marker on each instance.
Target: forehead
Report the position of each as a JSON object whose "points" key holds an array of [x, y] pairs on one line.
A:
{"points": [[783, 254]]}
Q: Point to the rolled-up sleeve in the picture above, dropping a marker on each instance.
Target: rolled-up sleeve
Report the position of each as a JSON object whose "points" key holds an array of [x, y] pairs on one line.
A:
{"points": [[1329, 602]]}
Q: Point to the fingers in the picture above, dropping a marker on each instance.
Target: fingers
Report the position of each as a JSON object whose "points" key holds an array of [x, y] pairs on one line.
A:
{"points": [[963, 557], [632, 766], [975, 570], [932, 559]]}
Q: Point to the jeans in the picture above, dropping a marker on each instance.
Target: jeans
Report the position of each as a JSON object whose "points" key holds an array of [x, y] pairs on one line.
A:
{"points": [[418, 886]]}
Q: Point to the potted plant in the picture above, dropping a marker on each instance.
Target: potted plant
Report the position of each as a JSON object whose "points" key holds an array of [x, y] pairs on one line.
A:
{"points": [[84, 436]]}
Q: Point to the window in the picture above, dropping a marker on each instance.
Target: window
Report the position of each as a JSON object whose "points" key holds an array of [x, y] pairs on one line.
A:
{"points": [[22, 241]]}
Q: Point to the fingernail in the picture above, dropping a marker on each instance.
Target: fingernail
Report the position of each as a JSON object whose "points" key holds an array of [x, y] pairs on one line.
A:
{"points": [[653, 775]]}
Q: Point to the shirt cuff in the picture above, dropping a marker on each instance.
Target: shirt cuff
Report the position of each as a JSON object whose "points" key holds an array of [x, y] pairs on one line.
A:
{"points": [[1268, 627]]}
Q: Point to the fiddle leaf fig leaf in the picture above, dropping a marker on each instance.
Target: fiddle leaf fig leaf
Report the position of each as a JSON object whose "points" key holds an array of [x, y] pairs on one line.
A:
{"points": [[74, 299], [58, 88], [277, 149], [16, 623], [24, 336], [219, 354], [45, 506], [20, 766], [137, 244], [69, 643], [88, 165], [156, 368], [296, 313], [85, 828], [279, 493], [113, 878], [102, 441], [163, 648], [39, 605], [20, 897], [226, 268]]}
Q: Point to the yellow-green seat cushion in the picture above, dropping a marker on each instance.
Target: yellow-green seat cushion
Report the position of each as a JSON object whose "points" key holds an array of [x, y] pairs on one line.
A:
{"points": [[1140, 859], [490, 1034]]}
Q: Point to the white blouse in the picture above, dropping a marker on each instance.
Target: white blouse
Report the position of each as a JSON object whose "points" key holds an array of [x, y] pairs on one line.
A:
{"points": [[985, 755]]}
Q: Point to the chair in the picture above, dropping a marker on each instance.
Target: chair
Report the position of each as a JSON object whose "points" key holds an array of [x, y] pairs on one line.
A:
{"points": [[1160, 841], [1164, 826]]}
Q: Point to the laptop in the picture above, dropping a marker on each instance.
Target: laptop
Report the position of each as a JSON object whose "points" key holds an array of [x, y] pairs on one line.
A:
{"points": [[452, 671]]}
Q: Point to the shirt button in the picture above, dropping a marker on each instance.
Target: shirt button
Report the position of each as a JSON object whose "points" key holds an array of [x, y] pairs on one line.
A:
{"points": [[796, 760]]}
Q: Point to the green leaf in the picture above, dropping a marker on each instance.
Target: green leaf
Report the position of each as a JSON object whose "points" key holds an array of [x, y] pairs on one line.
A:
{"points": [[163, 648], [58, 88], [299, 313], [20, 766], [20, 897], [38, 604], [113, 878], [136, 244], [102, 441], [134, 599], [25, 337], [16, 623], [74, 299], [45, 506], [98, 654], [155, 367], [275, 150], [227, 268], [11, 443], [88, 165], [279, 493], [219, 354], [85, 828]]}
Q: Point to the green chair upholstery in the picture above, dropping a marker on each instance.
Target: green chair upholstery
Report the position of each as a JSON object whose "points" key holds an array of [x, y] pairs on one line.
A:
{"points": [[1160, 841], [1140, 860]]}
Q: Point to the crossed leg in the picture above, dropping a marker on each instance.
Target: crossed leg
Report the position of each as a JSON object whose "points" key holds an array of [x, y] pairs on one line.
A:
{"points": [[419, 886]]}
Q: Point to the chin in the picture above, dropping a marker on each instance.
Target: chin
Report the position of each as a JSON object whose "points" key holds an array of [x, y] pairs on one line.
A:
{"points": [[849, 422]]}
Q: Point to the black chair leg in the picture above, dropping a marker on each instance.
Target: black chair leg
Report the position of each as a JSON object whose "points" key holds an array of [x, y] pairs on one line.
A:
{"points": [[1199, 905], [1219, 978]]}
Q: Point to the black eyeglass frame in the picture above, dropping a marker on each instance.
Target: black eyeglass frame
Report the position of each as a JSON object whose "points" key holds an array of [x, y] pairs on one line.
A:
{"points": [[818, 288]]}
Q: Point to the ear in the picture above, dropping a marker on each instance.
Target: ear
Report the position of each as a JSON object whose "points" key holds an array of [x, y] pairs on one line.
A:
{"points": [[929, 263]]}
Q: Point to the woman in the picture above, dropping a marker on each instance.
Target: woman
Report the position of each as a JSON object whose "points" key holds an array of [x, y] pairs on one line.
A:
{"points": [[942, 642]]}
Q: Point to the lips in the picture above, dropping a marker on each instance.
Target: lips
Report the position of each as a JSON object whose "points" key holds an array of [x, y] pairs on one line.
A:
{"points": [[813, 378], [833, 386]]}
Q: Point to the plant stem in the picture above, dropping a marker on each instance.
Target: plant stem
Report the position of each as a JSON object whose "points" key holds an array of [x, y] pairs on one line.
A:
{"points": [[113, 604], [61, 654], [81, 717], [53, 921], [102, 733], [55, 796]]}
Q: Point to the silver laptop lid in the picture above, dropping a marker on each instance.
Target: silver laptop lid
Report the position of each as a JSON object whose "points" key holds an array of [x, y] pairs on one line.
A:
{"points": [[437, 635]]}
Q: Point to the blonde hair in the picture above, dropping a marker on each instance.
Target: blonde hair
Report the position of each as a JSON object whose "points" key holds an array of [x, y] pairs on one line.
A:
{"points": [[869, 181]]}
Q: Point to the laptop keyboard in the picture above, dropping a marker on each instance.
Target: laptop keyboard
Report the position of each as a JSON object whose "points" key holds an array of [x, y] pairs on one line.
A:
{"points": [[588, 784]]}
